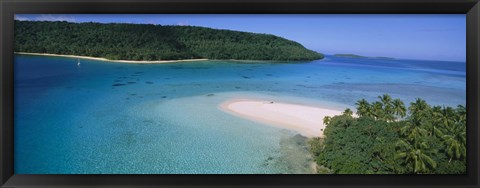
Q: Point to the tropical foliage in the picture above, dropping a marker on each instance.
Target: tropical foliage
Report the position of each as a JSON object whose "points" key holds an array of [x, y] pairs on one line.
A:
{"points": [[385, 138], [153, 42]]}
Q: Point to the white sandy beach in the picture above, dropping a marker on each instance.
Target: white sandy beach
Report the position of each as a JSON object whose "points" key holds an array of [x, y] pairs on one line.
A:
{"points": [[306, 120], [118, 61]]}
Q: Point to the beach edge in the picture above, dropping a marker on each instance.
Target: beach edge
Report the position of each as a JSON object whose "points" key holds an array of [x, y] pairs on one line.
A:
{"points": [[116, 61]]}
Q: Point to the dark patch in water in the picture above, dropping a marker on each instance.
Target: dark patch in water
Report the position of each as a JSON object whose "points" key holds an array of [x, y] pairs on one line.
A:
{"points": [[236, 87], [294, 155], [133, 94], [246, 77], [163, 97], [148, 82], [210, 95], [128, 98], [128, 139], [117, 80], [115, 85]]}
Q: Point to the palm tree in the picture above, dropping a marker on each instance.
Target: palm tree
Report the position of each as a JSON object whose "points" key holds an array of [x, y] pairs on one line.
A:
{"points": [[437, 125], [416, 156], [461, 112], [326, 120], [448, 116], [455, 148], [363, 108], [399, 108], [455, 141], [419, 110], [413, 132], [387, 103], [377, 110], [348, 112]]}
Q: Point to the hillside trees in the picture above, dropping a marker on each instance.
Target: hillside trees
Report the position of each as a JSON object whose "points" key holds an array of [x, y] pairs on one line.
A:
{"points": [[153, 42]]}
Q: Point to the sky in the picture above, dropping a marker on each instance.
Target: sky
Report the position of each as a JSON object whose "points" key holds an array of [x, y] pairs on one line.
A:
{"points": [[404, 36]]}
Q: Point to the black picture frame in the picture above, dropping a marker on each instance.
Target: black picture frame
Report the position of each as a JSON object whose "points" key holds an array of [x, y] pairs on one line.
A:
{"points": [[10, 7]]}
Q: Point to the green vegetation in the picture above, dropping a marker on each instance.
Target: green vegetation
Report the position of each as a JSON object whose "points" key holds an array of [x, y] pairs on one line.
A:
{"points": [[385, 138], [153, 42], [350, 55], [359, 56]]}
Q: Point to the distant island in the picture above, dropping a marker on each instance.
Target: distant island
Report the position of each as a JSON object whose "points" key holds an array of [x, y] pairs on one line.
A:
{"points": [[349, 55], [359, 56], [146, 42], [388, 58]]}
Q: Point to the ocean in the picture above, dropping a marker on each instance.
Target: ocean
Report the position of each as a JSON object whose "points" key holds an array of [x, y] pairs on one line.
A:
{"points": [[115, 118]]}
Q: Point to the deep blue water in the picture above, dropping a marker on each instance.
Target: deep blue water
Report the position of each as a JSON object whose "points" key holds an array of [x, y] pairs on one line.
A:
{"points": [[105, 117]]}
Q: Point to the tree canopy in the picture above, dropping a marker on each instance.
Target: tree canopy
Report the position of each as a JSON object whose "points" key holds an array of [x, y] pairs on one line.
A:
{"points": [[386, 139], [153, 42]]}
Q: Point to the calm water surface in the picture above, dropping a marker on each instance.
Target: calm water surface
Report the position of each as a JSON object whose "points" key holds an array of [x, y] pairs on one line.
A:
{"points": [[105, 117]]}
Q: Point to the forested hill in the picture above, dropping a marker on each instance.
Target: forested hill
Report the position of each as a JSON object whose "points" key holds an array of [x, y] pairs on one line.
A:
{"points": [[153, 42]]}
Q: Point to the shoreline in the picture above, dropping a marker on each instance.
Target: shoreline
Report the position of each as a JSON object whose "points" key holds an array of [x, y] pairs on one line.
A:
{"points": [[160, 61], [117, 61], [306, 120]]}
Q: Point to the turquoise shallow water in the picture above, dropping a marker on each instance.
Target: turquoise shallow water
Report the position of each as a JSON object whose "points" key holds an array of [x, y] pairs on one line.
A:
{"points": [[105, 117]]}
